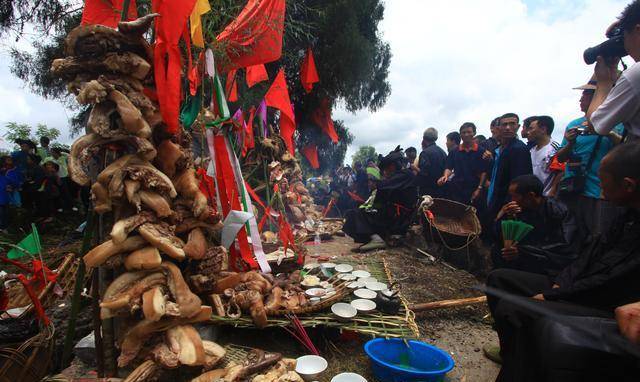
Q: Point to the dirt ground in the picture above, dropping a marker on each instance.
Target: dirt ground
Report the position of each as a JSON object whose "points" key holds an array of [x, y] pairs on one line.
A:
{"points": [[460, 331]]}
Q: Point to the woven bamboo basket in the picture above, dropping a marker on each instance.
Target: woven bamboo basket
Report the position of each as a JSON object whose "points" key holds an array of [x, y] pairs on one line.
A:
{"points": [[341, 289], [454, 224], [27, 361]]}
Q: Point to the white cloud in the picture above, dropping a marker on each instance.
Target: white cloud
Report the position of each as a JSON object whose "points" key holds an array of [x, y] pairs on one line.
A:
{"points": [[469, 60]]}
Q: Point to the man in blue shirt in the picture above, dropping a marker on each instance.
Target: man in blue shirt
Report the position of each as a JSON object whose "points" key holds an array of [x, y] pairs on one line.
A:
{"points": [[582, 149]]}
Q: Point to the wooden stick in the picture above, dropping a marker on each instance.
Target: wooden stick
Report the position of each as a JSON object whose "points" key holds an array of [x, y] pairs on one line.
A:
{"points": [[448, 303]]}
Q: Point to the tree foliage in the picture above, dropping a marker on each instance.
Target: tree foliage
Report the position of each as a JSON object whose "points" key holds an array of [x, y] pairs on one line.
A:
{"points": [[364, 154], [24, 131]]}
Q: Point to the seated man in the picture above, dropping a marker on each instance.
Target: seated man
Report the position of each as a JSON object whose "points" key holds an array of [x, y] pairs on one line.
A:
{"points": [[390, 208], [604, 277], [553, 242]]}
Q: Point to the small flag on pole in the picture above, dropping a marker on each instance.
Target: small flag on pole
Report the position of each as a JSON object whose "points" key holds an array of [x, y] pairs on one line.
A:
{"points": [[30, 244]]}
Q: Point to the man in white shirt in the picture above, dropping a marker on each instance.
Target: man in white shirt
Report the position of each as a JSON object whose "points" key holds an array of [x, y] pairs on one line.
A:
{"points": [[542, 153], [617, 100]]}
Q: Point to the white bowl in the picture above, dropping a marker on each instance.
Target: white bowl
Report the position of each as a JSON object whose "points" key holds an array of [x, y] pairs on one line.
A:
{"points": [[343, 310], [376, 286], [362, 274], [347, 277], [311, 366], [315, 292], [368, 279], [344, 268], [355, 285], [363, 305], [328, 265], [348, 377], [310, 266], [365, 293]]}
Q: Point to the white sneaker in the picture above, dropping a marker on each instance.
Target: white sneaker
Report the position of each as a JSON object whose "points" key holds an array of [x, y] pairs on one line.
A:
{"points": [[59, 209], [74, 209]]}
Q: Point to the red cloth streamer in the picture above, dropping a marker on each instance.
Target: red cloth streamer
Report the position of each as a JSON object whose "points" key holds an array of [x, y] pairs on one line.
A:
{"points": [[28, 287], [166, 57], [231, 86], [322, 117], [206, 185], [249, 140], [194, 75], [286, 236], [256, 74], [278, 97], [311, 153], [328, 208], [106, 12], [229, 201], [255, 36], [267, 210], [355, 197], [308, 72]]}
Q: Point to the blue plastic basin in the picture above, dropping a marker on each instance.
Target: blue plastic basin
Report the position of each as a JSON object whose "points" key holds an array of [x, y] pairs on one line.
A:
{"points": [[393, 361]]}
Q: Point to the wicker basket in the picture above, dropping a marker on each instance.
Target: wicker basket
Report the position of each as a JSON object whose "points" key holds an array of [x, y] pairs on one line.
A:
{"points": [[28, 361], [454, 224]]}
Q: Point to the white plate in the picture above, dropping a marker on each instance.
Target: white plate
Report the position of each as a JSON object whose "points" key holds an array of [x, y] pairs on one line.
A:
{"points": [[347, 277], [344, 268], [328, 265], [315, 292], [368, 279], [348, 377], [361, 274], [344, 310], [355, 285], [375, 286], [363, 305], [365, 293]]}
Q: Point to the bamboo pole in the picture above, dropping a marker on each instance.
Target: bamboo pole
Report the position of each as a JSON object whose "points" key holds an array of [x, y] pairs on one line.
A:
{"points": [[77, 291], [447, 303]]}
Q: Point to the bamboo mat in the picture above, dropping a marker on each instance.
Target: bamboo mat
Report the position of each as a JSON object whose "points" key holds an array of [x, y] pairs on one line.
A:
{"points": [[376, 324]]}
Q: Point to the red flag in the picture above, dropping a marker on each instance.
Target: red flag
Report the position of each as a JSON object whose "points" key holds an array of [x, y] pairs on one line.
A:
{"points": [[256, 74], [249, 141], [308, 72], [231, 86], [106, 12], [278, 97], [166, 57], [322, 117], [311, 153], [255, 36]]}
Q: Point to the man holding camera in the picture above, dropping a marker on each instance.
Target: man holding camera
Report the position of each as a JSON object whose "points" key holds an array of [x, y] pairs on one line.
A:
{"points": [[582, 150], [617, 99]]}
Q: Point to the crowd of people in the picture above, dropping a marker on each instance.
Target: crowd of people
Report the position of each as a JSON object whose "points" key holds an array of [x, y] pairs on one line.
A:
{"points": [[35, 179], [581, 261]]}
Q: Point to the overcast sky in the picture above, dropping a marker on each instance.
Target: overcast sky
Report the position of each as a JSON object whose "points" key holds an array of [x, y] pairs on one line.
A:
{"points": [[453, 61]]}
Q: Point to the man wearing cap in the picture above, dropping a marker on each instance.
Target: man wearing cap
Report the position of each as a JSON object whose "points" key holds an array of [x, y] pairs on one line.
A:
{"points": [[582, 150], [390, 207], [431, 164], [617, 104]]}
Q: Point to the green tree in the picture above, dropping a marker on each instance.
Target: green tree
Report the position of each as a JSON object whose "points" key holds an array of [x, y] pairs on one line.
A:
{"points": [[23, 131], [364, 154]]}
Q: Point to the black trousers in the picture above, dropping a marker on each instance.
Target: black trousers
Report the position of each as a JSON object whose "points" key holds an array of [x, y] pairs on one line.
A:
{"points": [[534, 348]]}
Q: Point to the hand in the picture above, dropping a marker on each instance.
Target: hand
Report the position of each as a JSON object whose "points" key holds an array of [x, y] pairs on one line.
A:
{"points": [[487, 155], [606, 70], [571, 134], [475, 194], [442, 180], [589, 127], [511, 209], [509, 253], [555, 286], [628, 317], [539, 297]]}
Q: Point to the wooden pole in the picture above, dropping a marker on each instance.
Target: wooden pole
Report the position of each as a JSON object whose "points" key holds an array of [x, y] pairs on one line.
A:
{"points": [[448, 303], [79, 286]]}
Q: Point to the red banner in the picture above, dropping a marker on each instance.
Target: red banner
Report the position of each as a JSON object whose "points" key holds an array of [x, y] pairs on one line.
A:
{"points": [[256, 74], [308, 72], [311, 153], [278, 97], [106, 12], [322, 117]]}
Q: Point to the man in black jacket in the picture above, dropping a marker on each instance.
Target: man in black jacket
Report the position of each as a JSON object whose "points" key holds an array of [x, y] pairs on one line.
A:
{"points": [[605, 276], [390, 208], [553, 242], [431, 164], [511, 159]]}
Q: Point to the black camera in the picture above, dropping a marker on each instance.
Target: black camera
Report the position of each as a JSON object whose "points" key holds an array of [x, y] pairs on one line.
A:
{"points": [[613, 47], [583, 131]]}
